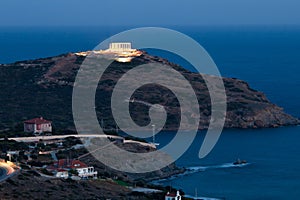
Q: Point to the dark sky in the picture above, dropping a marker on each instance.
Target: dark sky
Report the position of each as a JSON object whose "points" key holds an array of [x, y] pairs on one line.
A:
{"points": [[146, 12]]}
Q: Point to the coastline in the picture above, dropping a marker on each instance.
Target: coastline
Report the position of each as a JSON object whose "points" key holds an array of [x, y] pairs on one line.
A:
{"points": [[196, 169], [247, 108]]}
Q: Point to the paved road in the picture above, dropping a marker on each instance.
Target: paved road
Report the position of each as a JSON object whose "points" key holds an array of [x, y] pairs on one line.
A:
{"points": [[38, 138], [156, 106], [6, 171]]}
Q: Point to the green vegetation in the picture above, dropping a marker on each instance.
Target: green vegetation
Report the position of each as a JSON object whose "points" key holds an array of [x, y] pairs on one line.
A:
{"points": [[122, 183], [42, 87], [73, 171], [45, 171], [71, 153], [11, 145], [71, 141]]}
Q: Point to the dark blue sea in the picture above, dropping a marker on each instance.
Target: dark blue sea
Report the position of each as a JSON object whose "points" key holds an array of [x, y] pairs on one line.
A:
{"points": [[268, 58]]}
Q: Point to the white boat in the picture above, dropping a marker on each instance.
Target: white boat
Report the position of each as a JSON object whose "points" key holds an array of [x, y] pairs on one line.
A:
{"points": [[240, 162]]}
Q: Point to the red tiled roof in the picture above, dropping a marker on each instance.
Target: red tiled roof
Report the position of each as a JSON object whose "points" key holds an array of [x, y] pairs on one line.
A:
{"points": [[171, 195], [62, 170], [67, 164], [78, 164], [63, 163], [39, 120]]}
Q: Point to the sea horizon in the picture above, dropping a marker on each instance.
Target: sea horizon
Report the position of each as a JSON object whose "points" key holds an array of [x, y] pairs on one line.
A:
{"points": [[264, 57]]}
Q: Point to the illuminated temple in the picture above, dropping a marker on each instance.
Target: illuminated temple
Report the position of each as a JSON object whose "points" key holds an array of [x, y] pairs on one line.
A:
{"points": [[120, 51]]}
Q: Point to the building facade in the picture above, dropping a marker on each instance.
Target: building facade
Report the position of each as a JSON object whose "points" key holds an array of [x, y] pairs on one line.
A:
{"points": [[83, 170], [172, 196], [61, 173], [37, 125], [62, 167], [120, 46]]}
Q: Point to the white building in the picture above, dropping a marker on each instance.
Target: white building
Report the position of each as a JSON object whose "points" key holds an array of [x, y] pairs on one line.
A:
{"points": [[63, 166], [61, 173], [172, 196], [120, 47], [83, 170], [37, 125]]}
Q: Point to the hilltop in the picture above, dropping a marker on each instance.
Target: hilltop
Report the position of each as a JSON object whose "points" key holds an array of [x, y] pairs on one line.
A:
{"points": [[43, 87]]}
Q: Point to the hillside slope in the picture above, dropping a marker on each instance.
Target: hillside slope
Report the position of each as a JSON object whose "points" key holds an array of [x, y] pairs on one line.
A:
{"points": [[43, 87]]}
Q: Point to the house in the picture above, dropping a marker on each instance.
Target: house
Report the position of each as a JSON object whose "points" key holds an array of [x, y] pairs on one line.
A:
{"points": [[172, 196], [37, 125], [62, 167], [83, 170], [62, 173]]}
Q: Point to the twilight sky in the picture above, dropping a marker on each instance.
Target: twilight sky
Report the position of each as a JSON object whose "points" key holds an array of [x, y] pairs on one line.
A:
{"points": [[148, 13]]}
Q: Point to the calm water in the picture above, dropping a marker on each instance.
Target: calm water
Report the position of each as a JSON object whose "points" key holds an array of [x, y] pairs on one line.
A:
{"points": [[272, 172], [265, 57]]}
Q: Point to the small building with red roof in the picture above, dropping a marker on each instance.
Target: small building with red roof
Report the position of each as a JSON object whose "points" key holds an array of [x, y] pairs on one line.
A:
{"points": [[37, 125], [62, 173], [173, 196], [63, 166]]}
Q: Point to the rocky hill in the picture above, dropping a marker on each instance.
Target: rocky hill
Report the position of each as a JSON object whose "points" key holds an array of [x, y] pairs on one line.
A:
{"points": [[17, 187], [43, 87]]}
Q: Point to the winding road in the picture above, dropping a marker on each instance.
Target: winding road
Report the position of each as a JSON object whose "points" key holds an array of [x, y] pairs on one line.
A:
{"points": [[38, 138], [156, 106], [51, 137], [6, 170]]}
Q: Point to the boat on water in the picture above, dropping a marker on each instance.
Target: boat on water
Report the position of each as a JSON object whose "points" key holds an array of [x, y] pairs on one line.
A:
{"points": [[239, 162]]}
